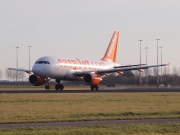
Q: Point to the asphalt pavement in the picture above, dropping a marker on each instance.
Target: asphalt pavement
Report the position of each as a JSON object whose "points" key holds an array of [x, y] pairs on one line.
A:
{"points": [[89, 123], [109, 90]]}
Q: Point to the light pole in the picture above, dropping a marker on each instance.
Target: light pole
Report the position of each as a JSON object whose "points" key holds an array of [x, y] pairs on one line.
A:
{"points": [[17, 62], [140, 79], [29, 56], [146, 64], [157, 65], [161, 63]]}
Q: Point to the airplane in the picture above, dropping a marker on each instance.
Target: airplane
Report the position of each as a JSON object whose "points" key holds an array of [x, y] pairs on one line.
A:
{"points": [[73, 69]]}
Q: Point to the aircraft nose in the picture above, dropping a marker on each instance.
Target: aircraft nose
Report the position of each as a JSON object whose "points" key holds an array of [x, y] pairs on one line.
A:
{"points": [[36, 69], [40, 70]]}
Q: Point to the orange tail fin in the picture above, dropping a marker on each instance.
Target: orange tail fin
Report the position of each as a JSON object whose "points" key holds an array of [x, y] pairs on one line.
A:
{"points": [[110, 54]]}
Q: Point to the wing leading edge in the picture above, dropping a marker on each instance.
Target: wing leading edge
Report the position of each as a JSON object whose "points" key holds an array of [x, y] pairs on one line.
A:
{"points": [[19, 69], [116, 69]]}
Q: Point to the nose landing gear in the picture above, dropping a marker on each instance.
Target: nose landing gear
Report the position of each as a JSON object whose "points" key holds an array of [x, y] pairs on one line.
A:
{"points": [[47, 86]]}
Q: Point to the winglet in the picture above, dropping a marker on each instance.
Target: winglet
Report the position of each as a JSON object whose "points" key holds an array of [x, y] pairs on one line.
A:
{"points": [[9, 69], [169, 64], [110, 54]]}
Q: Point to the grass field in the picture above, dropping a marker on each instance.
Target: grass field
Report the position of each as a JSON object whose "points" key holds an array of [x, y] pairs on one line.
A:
{"points": [[22, 108]]}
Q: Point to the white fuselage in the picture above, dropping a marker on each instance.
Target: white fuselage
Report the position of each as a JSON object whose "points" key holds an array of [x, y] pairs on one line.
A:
{"points": [[64, 68]]}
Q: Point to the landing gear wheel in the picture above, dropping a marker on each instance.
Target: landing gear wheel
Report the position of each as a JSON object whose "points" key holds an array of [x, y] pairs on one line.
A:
{"points": [[97, 87], [47, 86], [92, 87], [57, 87], [61, 86]]}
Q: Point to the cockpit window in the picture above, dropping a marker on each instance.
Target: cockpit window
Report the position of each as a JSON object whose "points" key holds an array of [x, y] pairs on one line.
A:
{"points": [[42, 62], [46, 62]]}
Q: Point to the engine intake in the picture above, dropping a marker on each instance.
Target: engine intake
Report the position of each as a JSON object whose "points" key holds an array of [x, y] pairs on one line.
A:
{"points": [[92, 79], [37, 80]]}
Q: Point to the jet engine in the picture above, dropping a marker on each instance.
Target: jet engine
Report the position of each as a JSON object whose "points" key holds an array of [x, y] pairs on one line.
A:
{"points": [[37, 80], [92, 79]]}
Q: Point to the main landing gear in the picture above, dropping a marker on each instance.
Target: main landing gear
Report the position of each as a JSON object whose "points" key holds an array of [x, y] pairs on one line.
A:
{"points": [[96, 87], [59, 86]]}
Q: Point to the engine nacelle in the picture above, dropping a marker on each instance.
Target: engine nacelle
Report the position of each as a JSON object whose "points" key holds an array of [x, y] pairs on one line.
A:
{"points": [[92, 79], [37, 80]]}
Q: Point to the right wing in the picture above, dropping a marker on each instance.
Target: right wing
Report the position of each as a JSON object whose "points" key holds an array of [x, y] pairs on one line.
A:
{"points": [[25, 70]]}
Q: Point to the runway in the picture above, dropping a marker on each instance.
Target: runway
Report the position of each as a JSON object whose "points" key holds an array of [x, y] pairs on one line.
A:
{"points": [[89, 123], [109, 90]]}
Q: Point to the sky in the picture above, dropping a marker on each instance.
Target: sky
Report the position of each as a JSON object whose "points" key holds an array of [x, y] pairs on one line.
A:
{"points": [[83, 29]]}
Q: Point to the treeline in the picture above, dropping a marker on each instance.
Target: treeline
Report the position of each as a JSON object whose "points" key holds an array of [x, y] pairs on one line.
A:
{"points": [[129, 78], [12, 75], [149, 77]]}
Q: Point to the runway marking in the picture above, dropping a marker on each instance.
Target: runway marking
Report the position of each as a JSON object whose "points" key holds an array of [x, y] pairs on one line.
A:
{"points": [[89, 123]]}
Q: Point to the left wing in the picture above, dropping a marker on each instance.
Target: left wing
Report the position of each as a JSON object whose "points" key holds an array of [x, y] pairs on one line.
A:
{"points": [[129, 66], [121, 69], [19, 69]]}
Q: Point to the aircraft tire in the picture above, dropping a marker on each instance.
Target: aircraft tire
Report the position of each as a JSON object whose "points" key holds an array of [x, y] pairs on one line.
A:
{"points": [[97, 87], [47, 87], [61, 86], [92, 87], [57, 86]]}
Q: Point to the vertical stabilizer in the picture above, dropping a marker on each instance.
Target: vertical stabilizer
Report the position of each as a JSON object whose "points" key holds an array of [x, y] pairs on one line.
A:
{"points": [[110, 54]]}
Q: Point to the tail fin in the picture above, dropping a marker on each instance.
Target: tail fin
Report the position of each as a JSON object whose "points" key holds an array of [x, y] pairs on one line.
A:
{"points": [[110, 54]]}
